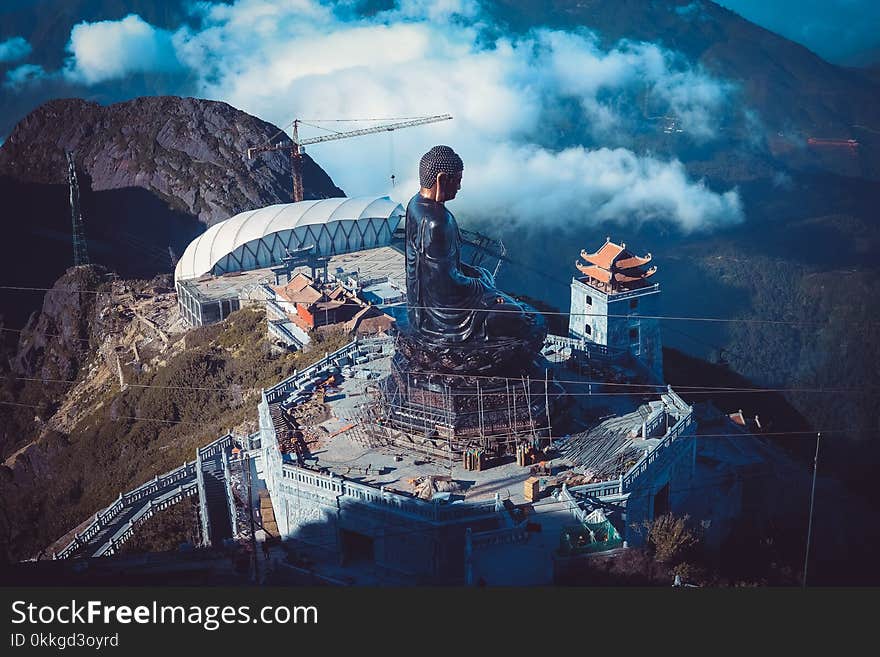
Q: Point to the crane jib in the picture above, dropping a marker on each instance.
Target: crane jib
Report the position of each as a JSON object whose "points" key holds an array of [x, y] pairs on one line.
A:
{"points": [[296, 145]]}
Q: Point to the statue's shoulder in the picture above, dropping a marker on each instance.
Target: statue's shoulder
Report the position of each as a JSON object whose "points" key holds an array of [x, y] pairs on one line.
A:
{"points": [[437, 217]]}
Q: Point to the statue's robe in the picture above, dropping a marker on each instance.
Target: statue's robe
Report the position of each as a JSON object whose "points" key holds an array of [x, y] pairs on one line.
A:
{"points": [[441, 292]]}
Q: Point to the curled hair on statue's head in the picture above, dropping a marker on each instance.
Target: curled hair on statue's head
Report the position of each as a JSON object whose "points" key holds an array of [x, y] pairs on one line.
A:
{"points": [[440, 159]]}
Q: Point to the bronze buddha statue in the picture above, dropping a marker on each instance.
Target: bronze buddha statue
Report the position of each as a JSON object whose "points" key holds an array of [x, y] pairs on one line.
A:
{"points": [[468, 346], [452, 303]]}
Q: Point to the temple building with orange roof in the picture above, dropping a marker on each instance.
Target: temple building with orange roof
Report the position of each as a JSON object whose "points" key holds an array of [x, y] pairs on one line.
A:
{"points": [[615, 303]]}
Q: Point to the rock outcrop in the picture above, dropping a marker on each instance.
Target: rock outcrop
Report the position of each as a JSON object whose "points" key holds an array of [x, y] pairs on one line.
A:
{"points": [[55, 341]]}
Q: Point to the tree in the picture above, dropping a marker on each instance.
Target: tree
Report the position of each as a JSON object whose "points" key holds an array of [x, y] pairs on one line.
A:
{"points": [[670, 537]]}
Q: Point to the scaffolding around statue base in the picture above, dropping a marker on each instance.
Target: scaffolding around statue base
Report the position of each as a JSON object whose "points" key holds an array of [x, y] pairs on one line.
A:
{"points": [[461, 412]]}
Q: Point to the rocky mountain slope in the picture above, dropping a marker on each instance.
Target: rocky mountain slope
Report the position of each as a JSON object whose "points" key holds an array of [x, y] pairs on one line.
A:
{"points": [[191, 153], [72, 437]]}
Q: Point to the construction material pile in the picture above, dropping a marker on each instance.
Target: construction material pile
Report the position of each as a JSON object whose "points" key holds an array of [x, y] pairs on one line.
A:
{"points": [[426, 487], [573, 478], [309, 413], [608, 449]]}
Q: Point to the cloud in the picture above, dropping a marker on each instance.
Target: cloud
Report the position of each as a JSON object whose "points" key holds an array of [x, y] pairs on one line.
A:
{"points": [[14, 49], [611, 85], [529, 184], [24, 75], [519, 104], [109, 50], [437, 10]]}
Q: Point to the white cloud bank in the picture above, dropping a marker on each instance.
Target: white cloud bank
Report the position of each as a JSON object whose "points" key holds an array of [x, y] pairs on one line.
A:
{"points": [[14, 49], [600, 185], [518, 102], [108, 50]]}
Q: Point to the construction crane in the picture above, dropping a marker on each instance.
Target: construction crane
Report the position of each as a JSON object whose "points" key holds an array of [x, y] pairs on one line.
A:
{"points": [[296, 146]]}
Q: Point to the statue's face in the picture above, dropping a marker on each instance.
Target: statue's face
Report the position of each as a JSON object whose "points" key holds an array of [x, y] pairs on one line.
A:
{"points": [[453, 184]]}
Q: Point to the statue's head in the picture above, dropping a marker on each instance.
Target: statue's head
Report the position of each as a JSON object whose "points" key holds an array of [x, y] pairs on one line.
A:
{"points": [[440, 173]]}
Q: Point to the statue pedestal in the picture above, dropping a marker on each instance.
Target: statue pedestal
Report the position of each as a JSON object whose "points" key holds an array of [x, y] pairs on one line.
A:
{"points": [[476, 394]]}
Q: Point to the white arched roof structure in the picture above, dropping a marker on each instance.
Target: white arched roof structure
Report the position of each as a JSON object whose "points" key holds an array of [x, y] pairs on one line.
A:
{"points": [[260, 238]]}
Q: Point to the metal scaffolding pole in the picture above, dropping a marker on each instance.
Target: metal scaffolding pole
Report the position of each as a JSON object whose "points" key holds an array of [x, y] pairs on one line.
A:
{"points": [[812, 500], [529, 404], [480, 414], [547, 404]]}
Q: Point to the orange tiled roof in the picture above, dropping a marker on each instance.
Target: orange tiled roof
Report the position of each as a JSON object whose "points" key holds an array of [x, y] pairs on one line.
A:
{"points": [[614, 265], [626, 278], [372, 325], [370, 320], [291, 290], [298, 282], [633, 261], [337, 292], [605, 256], [594, 271], [306, 295]]}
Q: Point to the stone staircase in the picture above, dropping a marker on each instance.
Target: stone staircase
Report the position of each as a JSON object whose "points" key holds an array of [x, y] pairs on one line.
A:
{"points": [[216, 499]]}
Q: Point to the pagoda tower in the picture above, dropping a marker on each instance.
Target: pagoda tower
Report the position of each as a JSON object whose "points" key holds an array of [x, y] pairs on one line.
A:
{"points": [[615, 303]]}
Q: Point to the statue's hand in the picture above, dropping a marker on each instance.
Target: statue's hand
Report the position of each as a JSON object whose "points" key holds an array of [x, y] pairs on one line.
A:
{"points": [[486, 277]]}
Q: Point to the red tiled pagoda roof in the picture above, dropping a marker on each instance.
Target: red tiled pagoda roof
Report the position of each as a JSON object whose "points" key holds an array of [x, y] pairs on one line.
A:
{"points": [[594, 272], [615, 267], [633, 261], [605, 256]]}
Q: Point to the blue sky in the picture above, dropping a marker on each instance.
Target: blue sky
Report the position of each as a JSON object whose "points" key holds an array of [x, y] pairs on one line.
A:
{"points": [[841, 31]]}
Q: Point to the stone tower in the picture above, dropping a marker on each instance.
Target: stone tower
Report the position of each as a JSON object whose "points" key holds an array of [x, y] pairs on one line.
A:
{"points": [[614, 303]]}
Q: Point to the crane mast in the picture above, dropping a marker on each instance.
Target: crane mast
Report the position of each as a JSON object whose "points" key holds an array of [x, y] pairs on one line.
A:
{"points": [[295, 146], [80, 253]]}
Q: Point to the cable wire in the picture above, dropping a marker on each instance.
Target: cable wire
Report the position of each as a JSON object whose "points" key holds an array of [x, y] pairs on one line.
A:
{"points": [[734, 320], [643, 389]]}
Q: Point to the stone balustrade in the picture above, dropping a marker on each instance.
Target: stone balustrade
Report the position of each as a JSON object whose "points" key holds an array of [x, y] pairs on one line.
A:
{"points": [[300, 378], [125, 532], [332, 486], [680, 428]]}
